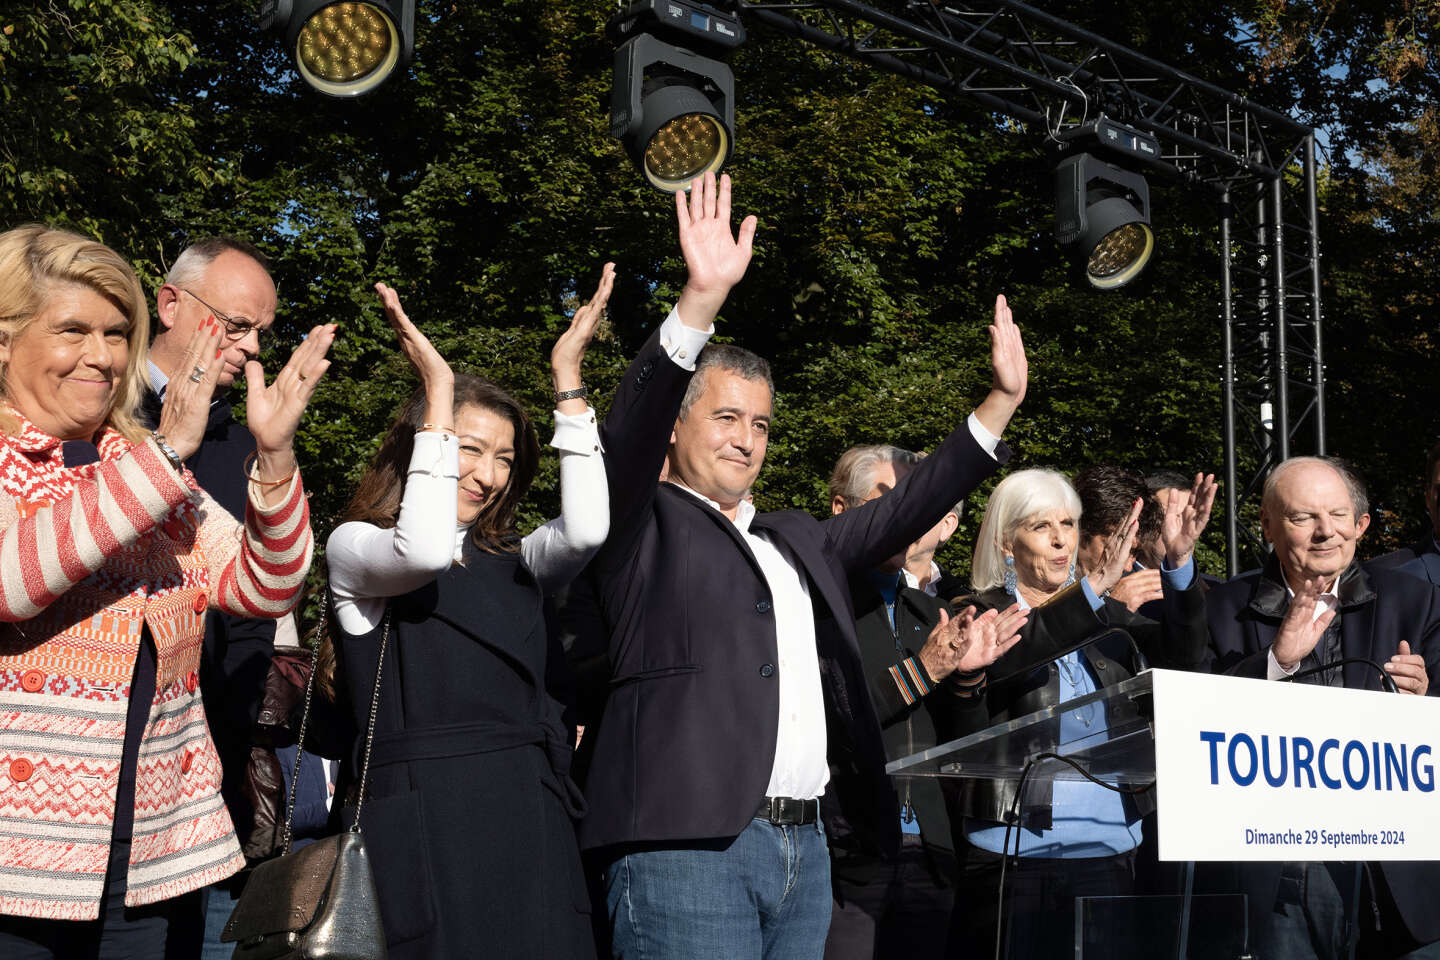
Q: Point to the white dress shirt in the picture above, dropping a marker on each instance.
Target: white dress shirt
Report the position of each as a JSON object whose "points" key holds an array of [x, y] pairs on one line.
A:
{"points": [[800, 769]]}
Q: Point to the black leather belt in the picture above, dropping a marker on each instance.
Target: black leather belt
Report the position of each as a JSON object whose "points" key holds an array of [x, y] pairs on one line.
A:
{"points": [[783, 810]]}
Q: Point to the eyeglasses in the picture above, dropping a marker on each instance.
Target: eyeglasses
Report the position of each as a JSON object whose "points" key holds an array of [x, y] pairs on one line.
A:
{"points": [[236, 328]]}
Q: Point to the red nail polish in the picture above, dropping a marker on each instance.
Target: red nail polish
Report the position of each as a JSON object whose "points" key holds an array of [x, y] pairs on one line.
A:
{"points": [[217, 353]]}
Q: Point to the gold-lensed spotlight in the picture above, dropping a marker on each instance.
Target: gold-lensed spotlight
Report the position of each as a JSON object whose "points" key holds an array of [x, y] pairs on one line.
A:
{"points": [[348, 48]]}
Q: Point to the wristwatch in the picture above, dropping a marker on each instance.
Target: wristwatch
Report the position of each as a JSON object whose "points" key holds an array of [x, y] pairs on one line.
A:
{"points": [[579, 393]]}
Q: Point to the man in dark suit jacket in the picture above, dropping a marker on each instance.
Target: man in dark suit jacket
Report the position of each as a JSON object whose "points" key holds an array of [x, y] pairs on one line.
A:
{"points": [[926, 676], [1312, 604], [736, 669], [226, 279]]}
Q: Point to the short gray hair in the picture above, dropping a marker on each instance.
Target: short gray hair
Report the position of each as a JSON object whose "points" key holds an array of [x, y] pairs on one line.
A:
{"points": [[1018, 497], [732, 359], [854, 474], [189, 268], [1359, 498]]}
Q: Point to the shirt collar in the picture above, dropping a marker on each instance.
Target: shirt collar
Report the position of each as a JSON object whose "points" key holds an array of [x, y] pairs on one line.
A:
{"points": [[744, 512], [158, 380], [913, 582], [1272, 593]]}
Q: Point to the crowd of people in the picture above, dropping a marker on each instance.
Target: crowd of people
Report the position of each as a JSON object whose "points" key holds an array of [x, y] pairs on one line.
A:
{"points": [[656, 726]]}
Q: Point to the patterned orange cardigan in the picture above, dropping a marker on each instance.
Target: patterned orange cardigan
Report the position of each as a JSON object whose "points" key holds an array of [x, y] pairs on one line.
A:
{"points": [[88, 556]]}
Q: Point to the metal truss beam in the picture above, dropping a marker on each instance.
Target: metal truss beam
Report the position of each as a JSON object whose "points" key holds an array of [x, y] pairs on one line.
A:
{"points": [[1055, 76]]}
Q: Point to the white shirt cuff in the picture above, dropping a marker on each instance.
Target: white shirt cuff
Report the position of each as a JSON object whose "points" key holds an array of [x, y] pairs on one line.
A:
{"points": [[987, 440], [1273, 670], [682, 343], [576, 432], [436, 453]]}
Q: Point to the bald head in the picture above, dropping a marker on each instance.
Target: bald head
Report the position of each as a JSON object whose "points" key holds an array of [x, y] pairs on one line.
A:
{"points": [[1312, 512]]}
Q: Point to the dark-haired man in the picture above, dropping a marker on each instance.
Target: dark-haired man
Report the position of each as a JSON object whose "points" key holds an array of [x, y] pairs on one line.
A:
{"points": [[738, 695]]}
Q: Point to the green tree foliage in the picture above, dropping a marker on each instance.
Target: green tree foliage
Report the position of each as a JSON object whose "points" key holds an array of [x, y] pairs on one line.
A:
{"points": [[486, 188]]}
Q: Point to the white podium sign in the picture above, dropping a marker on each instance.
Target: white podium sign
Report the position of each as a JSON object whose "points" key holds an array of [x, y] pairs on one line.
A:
{"points": [[1260, 770]]}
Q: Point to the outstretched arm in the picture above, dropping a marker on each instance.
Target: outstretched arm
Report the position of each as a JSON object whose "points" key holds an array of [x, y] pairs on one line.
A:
{"points": [[636, 434], [864, 536], [559, 550]]}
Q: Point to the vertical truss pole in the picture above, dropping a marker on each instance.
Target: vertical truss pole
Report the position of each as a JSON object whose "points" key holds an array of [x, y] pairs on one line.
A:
{"points": [[1227, 306], [1282, 332], [1318, 359]]}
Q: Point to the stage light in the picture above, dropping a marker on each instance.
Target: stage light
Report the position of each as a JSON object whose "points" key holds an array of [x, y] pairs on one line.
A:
{"points": [[344, 49], [1102, 212], [671, 108]]}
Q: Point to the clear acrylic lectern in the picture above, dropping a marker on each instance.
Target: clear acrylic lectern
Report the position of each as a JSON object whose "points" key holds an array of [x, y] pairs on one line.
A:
{"points": [[1108, 733]]}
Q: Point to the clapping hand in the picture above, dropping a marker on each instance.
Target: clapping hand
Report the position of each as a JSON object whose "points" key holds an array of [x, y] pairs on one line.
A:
{"points": [[186, 410], [273, 411], [1115, 559], [1408, 671], [1301, 629], [568, 354], [1185, 519], [969, 643], [435, 374], [715, 259], [1138, 588]]}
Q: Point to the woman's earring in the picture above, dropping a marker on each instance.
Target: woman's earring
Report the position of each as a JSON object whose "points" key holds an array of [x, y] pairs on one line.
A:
{"points": [[1071, 578], [1010, 582]]}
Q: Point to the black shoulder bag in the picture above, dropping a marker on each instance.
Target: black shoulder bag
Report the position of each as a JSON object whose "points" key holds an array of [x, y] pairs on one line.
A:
{"points": [[319, 902]]}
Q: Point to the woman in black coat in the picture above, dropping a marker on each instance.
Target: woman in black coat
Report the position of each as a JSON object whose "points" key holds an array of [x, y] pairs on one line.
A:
{"points": [[469, 813]]}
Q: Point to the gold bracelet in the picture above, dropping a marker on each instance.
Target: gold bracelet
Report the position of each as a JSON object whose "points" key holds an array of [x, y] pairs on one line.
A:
{"points": [[436, 428], [250, 462]]}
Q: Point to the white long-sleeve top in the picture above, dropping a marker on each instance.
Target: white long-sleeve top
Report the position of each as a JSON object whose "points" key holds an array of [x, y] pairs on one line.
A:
{"points": [[368, 564]]}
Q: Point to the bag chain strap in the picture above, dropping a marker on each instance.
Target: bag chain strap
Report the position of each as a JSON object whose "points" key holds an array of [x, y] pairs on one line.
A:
{"points": [[305, 722]]}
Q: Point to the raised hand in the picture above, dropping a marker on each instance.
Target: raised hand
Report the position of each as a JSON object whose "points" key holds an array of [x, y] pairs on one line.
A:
{"points": [[273, 412], [1137, 589], [1185, 519], [715, 258], [186, 411], [1009, 371], [1301, 629], [1408, 671], [990, 637], [1115, 558], [429, 365], [568, 354]]}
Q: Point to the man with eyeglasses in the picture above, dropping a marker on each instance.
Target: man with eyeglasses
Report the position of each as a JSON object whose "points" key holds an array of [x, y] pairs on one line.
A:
{"points": [[226, 280], [1422, 558]]}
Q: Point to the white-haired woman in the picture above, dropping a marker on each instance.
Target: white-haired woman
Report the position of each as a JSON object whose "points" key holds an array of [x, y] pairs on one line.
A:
{"points": [[1074, 838]]}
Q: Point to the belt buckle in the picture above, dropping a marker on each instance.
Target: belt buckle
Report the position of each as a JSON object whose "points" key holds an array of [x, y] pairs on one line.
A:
{"points": [[777, 810]]}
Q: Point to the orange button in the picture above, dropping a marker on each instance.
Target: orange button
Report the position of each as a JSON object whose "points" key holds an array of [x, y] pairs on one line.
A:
{"points": [[191, 681], [188, 759], [32, 680], [21, 769], [200, 601]]}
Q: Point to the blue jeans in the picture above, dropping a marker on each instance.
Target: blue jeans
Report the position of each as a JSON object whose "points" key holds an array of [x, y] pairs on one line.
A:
{"points": [[219, 904], [764, 895]]}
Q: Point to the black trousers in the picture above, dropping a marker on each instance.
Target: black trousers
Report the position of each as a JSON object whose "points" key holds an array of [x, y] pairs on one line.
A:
{"points": [[1039, 902], [891, 909]]}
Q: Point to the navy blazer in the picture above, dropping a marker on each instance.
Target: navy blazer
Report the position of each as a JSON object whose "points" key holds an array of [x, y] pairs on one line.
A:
{"points": [[685, 747], [1378, 609]]}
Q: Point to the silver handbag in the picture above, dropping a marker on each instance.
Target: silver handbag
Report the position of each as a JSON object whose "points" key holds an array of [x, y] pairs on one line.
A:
{"points": [[319, 902]]}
